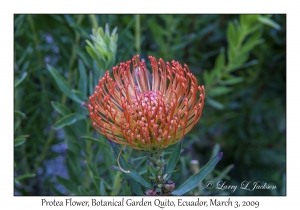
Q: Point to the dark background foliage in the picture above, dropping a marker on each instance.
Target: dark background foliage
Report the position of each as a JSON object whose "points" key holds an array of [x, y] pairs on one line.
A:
{"points": [[241, 60]]}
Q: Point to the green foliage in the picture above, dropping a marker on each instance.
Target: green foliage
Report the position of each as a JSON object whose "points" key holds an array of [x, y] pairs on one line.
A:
{"points": [[240, 59], [194, 180], [104, 47], [173, 159]]}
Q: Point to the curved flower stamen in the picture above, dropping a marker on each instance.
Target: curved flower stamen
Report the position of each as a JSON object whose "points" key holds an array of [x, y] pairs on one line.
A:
{"points": [[147, 112]]}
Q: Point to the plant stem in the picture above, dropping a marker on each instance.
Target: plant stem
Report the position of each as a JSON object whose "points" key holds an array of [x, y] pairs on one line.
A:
{"points": [[157, 170]]}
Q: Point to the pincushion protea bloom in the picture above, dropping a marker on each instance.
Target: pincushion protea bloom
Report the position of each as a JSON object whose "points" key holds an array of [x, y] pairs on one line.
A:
{"points": [[147, 112]]}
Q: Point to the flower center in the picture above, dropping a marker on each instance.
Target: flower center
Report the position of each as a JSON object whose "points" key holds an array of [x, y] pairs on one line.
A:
{"points": [[147, 105], [151, 117]]}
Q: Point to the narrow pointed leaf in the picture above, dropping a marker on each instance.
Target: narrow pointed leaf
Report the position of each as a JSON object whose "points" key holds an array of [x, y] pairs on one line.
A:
{"points": [[134, 186], [63, 85], [220, 61], [82, 191], [126, 166], [60, 108], [83, 78], [56, 191], [68, 120], [220, 90], [269, 22], [19, 140], [70, 186], [97, 141], [102, 188], [223, 173], [91, 87], [19, 113], [135, 176], [94, 176], [25, 176], [214, 103], [215, 151], [194, 180], [125, 188], [174, 157], [23, 76], [232, 81], [79, 95], [170, 173]]}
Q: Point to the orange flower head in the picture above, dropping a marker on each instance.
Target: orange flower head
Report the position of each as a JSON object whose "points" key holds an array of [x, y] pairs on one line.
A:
{"points": [[147, 112]]}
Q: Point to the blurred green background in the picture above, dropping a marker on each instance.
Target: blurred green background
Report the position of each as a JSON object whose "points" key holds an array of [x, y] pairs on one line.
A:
{"points": [[241, 60]]}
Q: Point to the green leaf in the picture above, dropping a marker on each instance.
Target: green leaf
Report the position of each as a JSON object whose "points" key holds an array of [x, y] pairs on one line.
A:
{"points": [[19, 113], [220, 90], [23, 76], [107, 153], [269, 22], [68, 120], [215, 151], [56, 192], [223, 173], [241, 58], [60, 108], [174, 157], [170, 173], [82, 191], [16, 125], [140, 158], [91, 83], [114, 31], [19, 140], [82, 97], [232, 36], [254, 28], [152, 170], [125, 166], [247, 20], [253, 40], [74, 167], [243, 21], [102, 188], [232, 81], [25, 176], [63, 85], [97, 141], [220, 61], [125, 188], [94, 176], [135, 176], [70, 186], [72, 140], [194, 180], [83, 56], [92, 170], [248, 64], [134, 185], [207, 78], [91, 52], [83, 78], [214, 103]]}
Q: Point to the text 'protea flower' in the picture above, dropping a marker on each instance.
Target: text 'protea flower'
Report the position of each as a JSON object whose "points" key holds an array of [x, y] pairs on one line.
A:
{"points": [[147, 112]]}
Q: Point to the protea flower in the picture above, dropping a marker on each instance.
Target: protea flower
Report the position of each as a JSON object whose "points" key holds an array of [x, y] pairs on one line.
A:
{"points": [[147, 112]]}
